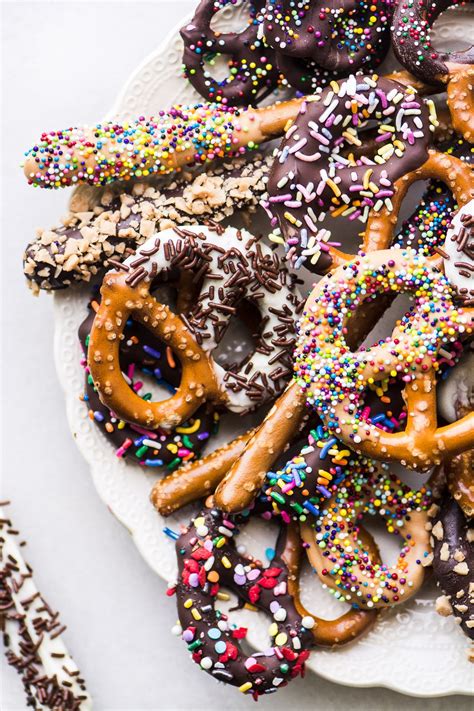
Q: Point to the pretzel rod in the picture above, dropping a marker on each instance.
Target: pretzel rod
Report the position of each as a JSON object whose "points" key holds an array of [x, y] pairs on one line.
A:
{"points": [[182, 136], [32, 634], [197, 480], [108, 224], [246, 476]]}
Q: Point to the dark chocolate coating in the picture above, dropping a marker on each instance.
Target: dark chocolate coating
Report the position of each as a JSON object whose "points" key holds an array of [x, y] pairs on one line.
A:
{"points": [[148, 356], [412, 22], [304, 171], [305, 75], [245, 84], [229, 666], [330, 34], [215, 193], [453, 561]]}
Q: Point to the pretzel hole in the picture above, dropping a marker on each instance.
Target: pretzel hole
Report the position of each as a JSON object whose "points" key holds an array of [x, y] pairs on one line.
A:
{"points": [[216, 66], [233, 17], [240, 338], [443, 39], [316, 598]]}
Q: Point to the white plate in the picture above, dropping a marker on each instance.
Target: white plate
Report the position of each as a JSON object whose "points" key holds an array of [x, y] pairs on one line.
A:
{"points": [[411, 649]]}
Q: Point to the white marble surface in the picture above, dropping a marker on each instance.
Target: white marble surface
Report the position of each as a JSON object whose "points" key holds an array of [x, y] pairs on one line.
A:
{"points": [[64, 62]]}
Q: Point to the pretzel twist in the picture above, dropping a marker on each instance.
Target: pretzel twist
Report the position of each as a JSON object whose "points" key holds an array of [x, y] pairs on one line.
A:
{"points": [[334, 378], [226, 271]]}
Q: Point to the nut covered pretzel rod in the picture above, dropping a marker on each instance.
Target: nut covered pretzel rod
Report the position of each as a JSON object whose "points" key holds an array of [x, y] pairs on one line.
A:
{"points": [[182, 136], [108, 224], [32, 634]]}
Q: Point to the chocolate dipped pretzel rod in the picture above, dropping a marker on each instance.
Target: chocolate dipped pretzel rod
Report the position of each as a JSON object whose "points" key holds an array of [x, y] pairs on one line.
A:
{"points": [[32, 633], [182, 136], [112, 223]]}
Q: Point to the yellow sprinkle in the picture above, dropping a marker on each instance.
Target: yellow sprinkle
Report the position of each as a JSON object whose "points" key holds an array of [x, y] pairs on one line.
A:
{"points": [[188, 603], [199, 521], [249, 606], [245, 687], [276, 238], [223, 596], [273, 629], [281, 639], [333, 187], [366, 178], [196, 614], [226, 562], [189, 430], [220, 542], [325, 474]]}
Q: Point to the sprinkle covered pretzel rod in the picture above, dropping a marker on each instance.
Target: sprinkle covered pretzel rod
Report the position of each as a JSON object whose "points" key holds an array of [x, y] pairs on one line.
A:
{"points": [[181, 136]]}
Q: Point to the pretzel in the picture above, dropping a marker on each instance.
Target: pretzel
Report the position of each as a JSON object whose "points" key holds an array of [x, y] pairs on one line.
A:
{"points": [[411, 41], [144, 356], [182, 136], [340, 37], [455, 400], [207, 561], [339, 556], [33, 634], [233, 267], [335, 378], [243, 463], [253, 73], [452, 539], [425, 229], [109, 223], [312, 176]]}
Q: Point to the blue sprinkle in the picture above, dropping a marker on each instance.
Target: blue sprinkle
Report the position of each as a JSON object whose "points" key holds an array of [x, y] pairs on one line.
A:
{"points": [[153, 462], [203, 435], [138, 442], [378, 418], [309, 507], [151, 352], [170, 533], [157, 373], [270, 553], [327, 447], [98, 416]]}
